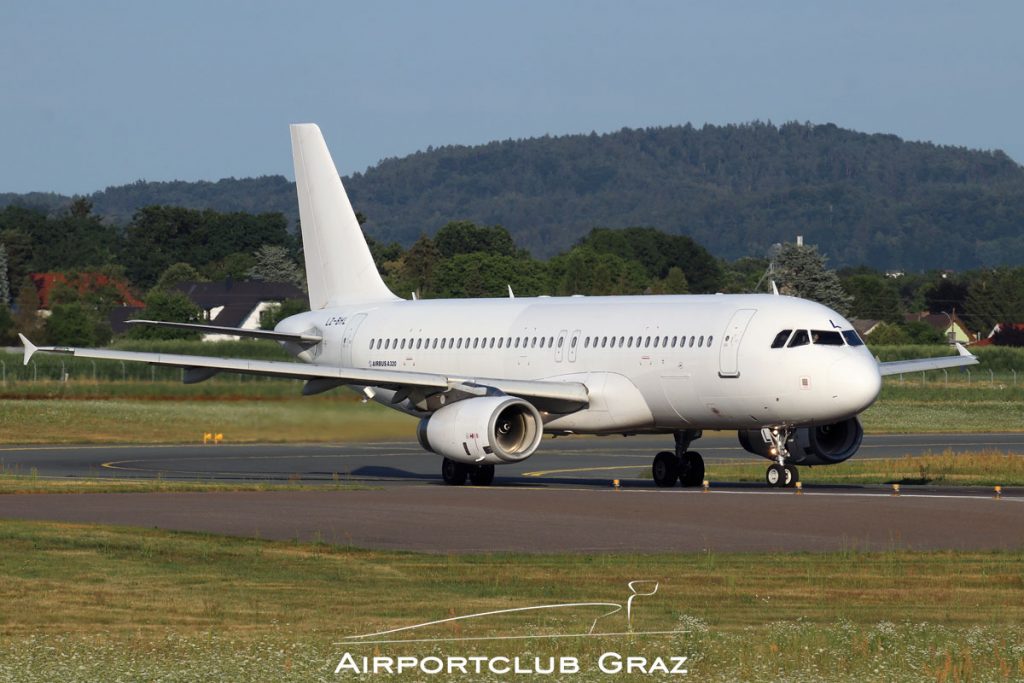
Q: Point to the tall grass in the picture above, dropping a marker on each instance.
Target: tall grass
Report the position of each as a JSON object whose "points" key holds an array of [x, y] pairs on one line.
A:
{"points": [[98, 603]]}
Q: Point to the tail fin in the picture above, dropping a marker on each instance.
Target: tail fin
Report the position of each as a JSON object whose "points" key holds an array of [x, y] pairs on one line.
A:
{"points": [[339, 267]]}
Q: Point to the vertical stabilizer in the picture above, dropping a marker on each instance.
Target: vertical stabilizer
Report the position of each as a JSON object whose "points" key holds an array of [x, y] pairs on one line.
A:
{"points": [[339, 267]]}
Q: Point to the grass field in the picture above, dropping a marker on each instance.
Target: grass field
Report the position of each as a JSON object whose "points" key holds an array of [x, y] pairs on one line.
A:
{"points": [[99, 603], [273, 411], [141, 421]]}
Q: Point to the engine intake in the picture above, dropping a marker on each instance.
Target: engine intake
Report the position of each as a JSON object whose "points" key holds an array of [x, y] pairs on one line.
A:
{"points": [[822, 445], [487, 430]]}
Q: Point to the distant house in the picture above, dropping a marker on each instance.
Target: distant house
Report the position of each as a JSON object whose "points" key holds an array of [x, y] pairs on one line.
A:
{"points": [[236, 304], [1004, 334], [864, 326], [83, 283], [946, 324]]}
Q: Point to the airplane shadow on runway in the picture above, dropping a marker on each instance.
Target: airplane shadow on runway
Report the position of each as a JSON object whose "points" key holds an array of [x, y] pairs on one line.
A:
{"points": [[379, 473]]}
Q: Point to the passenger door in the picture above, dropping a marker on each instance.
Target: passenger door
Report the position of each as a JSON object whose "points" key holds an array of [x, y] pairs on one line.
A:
{"points": [[728, 355]]}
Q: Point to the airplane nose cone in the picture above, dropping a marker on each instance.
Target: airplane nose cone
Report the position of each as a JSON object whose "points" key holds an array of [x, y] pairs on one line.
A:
{"points": [[855, 383]]}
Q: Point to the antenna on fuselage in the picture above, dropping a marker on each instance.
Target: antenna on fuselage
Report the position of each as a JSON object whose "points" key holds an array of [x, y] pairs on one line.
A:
{"points": [[775, 289], [511, 294]]}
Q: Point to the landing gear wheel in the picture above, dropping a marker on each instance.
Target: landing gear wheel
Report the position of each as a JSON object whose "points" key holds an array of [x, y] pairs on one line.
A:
{"points": [[778, 476], [665, 469], [691, 470], [453, 473], [793, 475], [481, 475]]}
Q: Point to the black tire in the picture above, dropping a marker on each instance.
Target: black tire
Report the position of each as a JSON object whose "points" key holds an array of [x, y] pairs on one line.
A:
{"points": [[775, 476], [794, 475], [481, 475], [691, 473], [454, 473], [665, 469]]}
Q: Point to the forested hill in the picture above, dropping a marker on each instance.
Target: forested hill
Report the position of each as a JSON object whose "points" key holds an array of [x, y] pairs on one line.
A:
{"points": [[863, 199]]}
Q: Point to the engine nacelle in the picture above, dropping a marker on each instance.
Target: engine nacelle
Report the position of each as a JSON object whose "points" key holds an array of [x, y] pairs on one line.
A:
{"points": [[822, 445], [489, 430]]}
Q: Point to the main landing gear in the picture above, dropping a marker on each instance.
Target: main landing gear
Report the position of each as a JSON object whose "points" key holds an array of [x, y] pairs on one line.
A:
{"points": [[683, 465], [780, 474], [455, 473]]}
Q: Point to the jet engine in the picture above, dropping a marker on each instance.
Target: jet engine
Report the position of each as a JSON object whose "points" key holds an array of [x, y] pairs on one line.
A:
{"points": [[821, 445], [488, 430]]}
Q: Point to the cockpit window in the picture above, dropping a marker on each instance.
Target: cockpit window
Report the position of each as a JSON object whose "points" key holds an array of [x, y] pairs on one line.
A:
{"points": [[827, 337], [852, 338], [800, 338], [780, 339]]}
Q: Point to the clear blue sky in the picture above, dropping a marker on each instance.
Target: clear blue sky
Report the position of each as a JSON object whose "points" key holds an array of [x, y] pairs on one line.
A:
{"points": [[103, 93]]}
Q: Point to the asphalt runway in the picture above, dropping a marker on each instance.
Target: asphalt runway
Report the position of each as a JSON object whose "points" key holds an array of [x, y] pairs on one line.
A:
{"points": [[559, 500]]}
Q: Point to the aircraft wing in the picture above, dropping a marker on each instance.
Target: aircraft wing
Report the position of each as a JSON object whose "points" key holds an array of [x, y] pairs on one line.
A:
{"points": [[963, 358], [308, 339], [560, 397]]}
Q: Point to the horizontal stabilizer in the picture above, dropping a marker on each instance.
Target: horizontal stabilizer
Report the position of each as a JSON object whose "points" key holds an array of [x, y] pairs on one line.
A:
{"points": [[897, 367], [308, 339]]}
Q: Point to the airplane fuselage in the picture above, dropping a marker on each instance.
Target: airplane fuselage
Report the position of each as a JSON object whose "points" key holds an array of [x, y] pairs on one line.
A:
{"points": [[650, 363]]}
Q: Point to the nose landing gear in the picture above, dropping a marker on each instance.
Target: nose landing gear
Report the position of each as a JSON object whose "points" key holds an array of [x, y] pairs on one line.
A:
{"points": [[780, 474], [683, 466]]}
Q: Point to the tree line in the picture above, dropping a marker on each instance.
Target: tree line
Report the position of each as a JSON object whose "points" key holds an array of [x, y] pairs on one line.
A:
{"points": [[162, 246]]}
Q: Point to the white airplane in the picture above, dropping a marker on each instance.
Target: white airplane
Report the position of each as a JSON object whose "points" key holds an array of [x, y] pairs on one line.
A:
{"points": [[489, 377]]}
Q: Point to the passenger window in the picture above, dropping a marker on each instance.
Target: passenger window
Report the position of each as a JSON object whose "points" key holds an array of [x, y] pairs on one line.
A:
{"points": [[458, 344], [826, 337], [419, 343], [604, 342], [655, 342], [709, 341], [629, 342], [692, 340], [586, 343], [533, 343], [852, 338], [800, 338], [573, 343], [517, 342], [647, 342], [780, 339], [500, 340], [387, 343], [492, 342], [674, 340], [551, 342], [561, 340], [700, 341], [622, 342], [542, 342]]}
